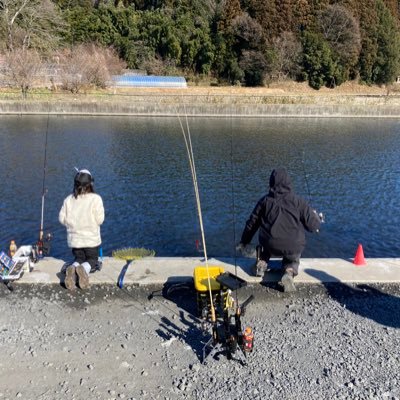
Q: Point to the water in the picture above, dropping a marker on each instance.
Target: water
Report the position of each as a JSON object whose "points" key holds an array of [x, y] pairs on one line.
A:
{"points": [[351, 168]]}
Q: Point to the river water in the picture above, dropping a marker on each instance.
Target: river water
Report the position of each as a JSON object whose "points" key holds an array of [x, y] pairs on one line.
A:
{"points": [[348, 168]]}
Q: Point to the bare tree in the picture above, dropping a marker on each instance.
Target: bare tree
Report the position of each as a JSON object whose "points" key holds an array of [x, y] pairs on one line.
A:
{"points": [[287, 50], [341, 29], [22, 69], [30, 24], [10, 11], [88, 66]]}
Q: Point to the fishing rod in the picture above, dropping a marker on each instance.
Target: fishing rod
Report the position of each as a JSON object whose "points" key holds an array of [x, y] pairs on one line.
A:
{"points": [[224, 333], [320, 215], [233, 208], [189, 149], [44, 179], [40, 248], [245, 340]]}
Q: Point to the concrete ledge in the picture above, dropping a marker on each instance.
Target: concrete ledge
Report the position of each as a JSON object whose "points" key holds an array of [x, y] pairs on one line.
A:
{"points": [[159, 270], [212, 106]]}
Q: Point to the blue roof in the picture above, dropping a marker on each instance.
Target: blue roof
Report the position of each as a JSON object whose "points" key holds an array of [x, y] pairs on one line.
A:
{"points": [[149, 81]]}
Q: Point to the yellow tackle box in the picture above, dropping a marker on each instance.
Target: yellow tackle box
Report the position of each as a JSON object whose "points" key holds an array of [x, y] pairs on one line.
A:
{"points": [[200, 276]]}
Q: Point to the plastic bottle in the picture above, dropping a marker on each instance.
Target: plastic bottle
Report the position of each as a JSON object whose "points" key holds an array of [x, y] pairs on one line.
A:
{"points": [[248, 339], [13, 248]]}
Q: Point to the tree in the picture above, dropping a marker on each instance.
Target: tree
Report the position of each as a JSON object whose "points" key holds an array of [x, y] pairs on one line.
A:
{"points": [[254, 66], [302, 16], [318, 66], [23, 67], [341, 30], [387, 62], [379, 56], [229, 10], [88, 65], [225, 62], [10, 13], [31, 24], [248, 32], [286, 55], [266, 14], [69, 4]]}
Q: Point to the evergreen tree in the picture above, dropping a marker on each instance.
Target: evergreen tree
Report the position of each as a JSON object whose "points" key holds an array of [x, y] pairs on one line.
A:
{"points": [[318, 66], [386, 65], [379, 57]]}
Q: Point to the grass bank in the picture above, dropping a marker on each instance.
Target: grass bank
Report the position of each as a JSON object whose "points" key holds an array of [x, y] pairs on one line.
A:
{"points": [[285, 101]]}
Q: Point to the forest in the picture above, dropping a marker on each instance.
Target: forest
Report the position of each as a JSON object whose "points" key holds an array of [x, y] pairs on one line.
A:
{"points": [[223, 42]]}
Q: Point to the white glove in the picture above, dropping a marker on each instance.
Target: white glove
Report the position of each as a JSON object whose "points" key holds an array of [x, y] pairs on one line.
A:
{"points": [[240, 247]]}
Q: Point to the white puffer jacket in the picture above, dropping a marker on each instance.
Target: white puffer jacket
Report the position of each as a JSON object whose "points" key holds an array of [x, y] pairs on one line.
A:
{"points": [[82, 217]]}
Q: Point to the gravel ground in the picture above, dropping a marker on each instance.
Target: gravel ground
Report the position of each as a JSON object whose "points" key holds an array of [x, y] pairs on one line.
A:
{"points": [[323, 342]]}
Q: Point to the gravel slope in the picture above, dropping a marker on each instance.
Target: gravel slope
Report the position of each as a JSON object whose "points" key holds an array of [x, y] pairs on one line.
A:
{"points": [[333, 342]]}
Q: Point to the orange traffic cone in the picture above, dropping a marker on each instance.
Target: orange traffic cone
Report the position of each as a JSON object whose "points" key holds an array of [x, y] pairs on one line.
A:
{"points": [[359, 258]]}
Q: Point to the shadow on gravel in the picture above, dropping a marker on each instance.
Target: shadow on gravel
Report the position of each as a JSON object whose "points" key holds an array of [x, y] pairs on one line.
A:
{"points": [[189, 330], [190, 334], [380, 303]]}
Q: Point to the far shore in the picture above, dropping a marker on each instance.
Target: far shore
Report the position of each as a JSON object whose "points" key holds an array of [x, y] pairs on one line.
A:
{"points": [[285, 100]]}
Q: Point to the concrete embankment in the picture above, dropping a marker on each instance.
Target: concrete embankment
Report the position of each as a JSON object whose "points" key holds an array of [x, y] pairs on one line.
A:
{"points": [[225, 106], [160, 270]]}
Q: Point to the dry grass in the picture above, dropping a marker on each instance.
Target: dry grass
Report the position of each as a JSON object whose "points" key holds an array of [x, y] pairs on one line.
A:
{"points": [[277, 88]]}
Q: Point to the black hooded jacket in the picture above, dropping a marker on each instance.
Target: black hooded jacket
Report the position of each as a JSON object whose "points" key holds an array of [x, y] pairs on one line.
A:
{"points": [[281, 216]]}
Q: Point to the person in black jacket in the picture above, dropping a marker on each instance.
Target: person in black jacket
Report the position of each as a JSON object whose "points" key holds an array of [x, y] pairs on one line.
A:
{"points": [[281, 218]]}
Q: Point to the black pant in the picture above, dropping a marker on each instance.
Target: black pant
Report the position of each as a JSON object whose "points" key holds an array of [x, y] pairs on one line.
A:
{"points": [[291, 261], [86, 254]]}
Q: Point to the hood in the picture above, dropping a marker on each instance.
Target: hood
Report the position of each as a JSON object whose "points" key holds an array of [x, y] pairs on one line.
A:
{"points": [[280, 182]]}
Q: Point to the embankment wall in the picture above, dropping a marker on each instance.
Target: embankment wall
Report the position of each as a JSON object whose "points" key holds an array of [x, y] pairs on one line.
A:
{"points": [[209, 105]]}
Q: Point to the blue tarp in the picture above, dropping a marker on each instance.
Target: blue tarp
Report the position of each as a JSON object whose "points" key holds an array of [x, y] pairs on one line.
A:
{"points": [[149, 81]]}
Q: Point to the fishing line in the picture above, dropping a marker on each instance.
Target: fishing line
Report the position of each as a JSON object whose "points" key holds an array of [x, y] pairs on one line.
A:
{"points": [[189, 150], [44, 178], [305, 175], [321, 215]]}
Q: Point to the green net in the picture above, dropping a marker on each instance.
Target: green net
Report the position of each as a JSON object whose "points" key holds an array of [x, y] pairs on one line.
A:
{"points": [[132, 253]]}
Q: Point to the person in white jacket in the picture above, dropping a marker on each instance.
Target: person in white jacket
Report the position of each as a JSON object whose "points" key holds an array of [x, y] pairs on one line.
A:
{"points": [[82, 213]]}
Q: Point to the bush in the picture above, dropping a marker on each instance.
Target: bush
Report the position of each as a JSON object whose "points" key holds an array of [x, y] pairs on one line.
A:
{"points": [[88, 66]]}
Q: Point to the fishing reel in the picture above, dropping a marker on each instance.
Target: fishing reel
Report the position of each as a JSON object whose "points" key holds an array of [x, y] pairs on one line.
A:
{"points": [[321, 216], [41, 248], [227, 335], [205, 321]]}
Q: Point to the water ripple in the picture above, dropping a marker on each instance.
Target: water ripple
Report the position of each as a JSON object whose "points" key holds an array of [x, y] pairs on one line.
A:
{"points": [[348, 168]]}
